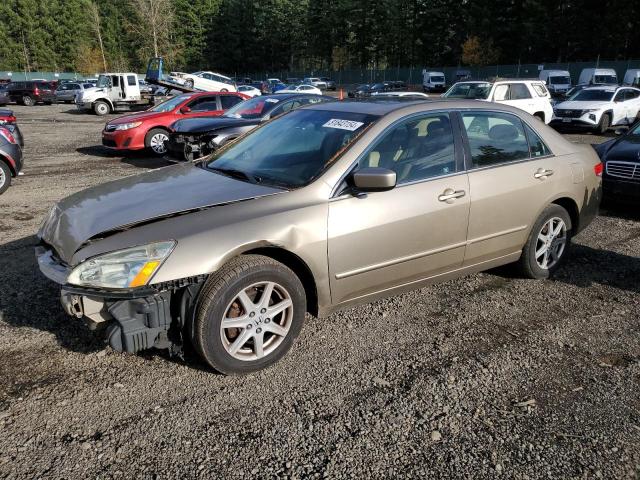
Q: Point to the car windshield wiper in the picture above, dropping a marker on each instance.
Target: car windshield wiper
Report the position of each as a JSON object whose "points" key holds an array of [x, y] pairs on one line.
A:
{"points": [[234, 173]]}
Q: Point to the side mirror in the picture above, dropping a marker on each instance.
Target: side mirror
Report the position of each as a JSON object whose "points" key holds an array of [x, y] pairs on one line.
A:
{"points": [[620, 131], [374, 179], [185, 110]]}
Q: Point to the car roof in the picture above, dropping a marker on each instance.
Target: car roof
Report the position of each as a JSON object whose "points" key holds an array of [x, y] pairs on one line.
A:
{"points": [[606, 88], [388, 105], [287, 96]]}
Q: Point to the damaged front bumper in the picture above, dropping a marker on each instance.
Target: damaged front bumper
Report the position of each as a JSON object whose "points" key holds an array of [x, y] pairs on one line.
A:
{"points": [[135, 319]]}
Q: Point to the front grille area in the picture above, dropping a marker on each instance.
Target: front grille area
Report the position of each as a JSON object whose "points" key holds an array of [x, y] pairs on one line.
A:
{"points": [[569, 113], [628, 170]]}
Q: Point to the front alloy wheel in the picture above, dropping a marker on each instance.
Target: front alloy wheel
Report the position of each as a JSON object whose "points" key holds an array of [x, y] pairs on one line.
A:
{"points": [[155, 140], [257, 321], [249, 313]]}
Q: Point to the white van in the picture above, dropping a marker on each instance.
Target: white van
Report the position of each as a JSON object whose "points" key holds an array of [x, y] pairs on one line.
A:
{"points": [[557, 81], [632, 77], [599, 76], [433, 81]]}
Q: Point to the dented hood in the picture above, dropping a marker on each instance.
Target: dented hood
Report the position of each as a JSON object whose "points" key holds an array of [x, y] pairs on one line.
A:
{"points": [[139, 199]]}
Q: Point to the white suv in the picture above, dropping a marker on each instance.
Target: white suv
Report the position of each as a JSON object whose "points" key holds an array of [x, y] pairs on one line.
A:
{"points": [[599, 108], [531, 96]]}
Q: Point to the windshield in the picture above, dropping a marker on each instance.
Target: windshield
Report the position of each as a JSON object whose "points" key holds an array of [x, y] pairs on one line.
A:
{"points": [[104, 81], [592, 96], [478, 91], [252, 108], [170, 104], [605, 79], [437, 78], [559, 80], [292, 150], [636, 131]]}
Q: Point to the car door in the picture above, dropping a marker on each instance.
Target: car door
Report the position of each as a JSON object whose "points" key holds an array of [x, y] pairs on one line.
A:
{"points": [[620, 108], [632, 102], [512, 175], [516, 95], [414, 231]]}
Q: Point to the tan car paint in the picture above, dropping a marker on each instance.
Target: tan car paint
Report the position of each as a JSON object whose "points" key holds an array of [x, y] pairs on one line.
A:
{"points": [[357, 249]]}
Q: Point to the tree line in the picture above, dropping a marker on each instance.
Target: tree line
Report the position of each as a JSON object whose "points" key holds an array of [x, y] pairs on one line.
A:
{"points": [[239, 36]]}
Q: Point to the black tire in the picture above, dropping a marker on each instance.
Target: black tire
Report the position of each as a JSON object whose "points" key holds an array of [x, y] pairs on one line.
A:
{"points": [[539, 116], [28, 101], [605, 123], [5, 177], [224, 90], [188, 83], [528, 264], [101, 108], [215, 302], [150, 143]]}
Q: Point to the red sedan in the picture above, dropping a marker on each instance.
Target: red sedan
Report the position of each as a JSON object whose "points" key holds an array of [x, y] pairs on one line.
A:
{"points": [[149, 129]]}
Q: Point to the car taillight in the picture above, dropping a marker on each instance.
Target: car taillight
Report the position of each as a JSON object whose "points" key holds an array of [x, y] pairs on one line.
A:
{"points": [[598, 168], [7, 135], [36, 91]]}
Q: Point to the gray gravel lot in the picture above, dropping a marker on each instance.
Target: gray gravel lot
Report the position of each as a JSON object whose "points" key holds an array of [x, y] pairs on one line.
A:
{"points": [[482, 377]]}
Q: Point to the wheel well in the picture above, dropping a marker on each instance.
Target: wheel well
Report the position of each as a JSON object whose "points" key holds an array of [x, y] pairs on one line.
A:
{"points": [[299, 267], [572, 209], [9, 164], [539, 115]]}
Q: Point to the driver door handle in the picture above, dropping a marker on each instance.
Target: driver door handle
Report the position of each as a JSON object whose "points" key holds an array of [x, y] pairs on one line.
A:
{"points": [[542, 173], [449, 195]]}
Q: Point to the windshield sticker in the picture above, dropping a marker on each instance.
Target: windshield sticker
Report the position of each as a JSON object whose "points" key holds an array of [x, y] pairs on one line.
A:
{"points": [[343, 124], [272, 100]]}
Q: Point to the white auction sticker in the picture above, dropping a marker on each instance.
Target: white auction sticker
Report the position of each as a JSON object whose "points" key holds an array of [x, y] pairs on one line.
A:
{"points": [[343, 124], [272, 100]]}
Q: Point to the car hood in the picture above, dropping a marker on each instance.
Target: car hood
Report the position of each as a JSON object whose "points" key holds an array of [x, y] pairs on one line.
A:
{"points": [[136, 117], [124, 203], [202, 125], [626, 148], [582, 105]]}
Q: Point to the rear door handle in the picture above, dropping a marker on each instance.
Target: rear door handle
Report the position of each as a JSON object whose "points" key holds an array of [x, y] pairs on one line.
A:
{"points": [[449, 195], [542, 173]]}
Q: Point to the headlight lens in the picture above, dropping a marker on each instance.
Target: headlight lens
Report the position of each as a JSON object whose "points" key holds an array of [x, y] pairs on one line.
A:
{"points": [[128, 126], [129, 268]]}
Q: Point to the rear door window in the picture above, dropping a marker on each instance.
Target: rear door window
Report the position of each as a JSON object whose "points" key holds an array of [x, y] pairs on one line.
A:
{"points": [[205, 104], [495, 138], [229, 101], [519, 91]]}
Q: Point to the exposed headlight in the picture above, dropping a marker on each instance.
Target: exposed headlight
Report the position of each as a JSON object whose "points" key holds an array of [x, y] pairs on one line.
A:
{"points": [[128, 126], [129, 268]]}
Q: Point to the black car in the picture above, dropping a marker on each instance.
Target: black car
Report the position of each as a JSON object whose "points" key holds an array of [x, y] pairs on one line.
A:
{"points": [[4, 95], [192, 138], [31, 92], [621, 158], [10, 156], [360, 91]]}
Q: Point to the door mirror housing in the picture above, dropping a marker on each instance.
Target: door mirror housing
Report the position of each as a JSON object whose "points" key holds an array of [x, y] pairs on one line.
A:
{"points": [[374, 179], [185, 110]]}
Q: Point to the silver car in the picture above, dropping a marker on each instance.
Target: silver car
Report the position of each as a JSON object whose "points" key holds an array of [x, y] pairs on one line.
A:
{"points": [[66, 92], [321, 208]]}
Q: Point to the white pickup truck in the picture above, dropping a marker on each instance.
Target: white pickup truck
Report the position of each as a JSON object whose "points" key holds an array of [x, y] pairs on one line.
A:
{"points": [[114, 92]]}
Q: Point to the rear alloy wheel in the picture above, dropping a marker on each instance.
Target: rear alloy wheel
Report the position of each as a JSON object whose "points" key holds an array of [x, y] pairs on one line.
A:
{"points": [[5, 177], [188, 83], [101, 108], [155, 141], [605, 123], [28, 101], [548, 243], [249, 314]]}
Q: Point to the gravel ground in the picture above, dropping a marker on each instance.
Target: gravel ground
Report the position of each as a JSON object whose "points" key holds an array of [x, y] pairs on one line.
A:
{"points": [[485, 376]]}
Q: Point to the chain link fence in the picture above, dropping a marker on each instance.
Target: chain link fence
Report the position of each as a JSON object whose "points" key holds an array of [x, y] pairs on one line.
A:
{"points": [[410, 75]]}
